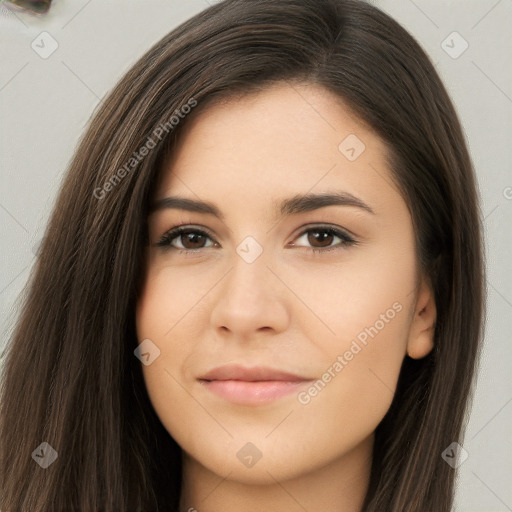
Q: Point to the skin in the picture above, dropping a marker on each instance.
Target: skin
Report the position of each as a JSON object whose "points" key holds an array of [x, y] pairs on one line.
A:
{"points": [[290, 309]]}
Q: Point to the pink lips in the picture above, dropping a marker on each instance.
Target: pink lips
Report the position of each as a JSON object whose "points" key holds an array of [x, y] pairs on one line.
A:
{"points": [[251, 386]]}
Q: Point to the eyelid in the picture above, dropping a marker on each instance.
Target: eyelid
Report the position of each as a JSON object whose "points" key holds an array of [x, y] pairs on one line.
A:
{"points": [[175, 231], [346, 240], [338, 230]]}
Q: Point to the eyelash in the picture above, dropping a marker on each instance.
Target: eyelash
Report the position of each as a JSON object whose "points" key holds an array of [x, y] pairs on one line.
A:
{"points": [[169, 236]]}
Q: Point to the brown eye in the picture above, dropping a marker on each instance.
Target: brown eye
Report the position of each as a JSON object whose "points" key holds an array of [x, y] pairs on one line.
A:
{"points": [[187, 239], [320, 239], [192, 240]]}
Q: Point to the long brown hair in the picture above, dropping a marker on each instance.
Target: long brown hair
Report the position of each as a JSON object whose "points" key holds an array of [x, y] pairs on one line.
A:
{"points": [[70, 377]]}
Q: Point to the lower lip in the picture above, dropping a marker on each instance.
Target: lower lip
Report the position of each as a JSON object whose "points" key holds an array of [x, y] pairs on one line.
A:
{"points": [[252, 393]]}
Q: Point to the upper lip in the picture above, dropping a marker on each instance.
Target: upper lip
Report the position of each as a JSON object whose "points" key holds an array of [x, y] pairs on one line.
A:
{"points": [[250, 374]]}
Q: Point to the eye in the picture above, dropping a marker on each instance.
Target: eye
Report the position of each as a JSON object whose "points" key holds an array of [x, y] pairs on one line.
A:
{"points": [[189, 239], [186, 239], [321, 239]]}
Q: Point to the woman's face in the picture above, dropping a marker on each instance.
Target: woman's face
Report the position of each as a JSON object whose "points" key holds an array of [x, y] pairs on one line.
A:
{"points": [[282, 330]]}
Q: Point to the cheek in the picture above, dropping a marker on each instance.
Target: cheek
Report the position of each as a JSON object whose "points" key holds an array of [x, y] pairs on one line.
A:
{"points": [[167, 296], [357, 383], [169, 299], [366, 310], [367, 297], [362, 360], [161, 312]]}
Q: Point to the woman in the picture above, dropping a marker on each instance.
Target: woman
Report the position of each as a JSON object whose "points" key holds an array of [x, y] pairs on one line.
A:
{"points": [[261, 286]]}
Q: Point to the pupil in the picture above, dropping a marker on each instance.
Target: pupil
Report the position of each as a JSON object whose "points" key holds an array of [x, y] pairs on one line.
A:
{"points": [[194, 239], [321, 236]]}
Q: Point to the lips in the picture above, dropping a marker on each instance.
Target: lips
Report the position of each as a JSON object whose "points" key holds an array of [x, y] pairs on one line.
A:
{"points": [[251, 386], [254, 374]]}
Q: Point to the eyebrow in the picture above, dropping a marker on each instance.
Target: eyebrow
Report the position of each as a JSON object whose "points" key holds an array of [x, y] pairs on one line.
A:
{"points": [[299, 203]]}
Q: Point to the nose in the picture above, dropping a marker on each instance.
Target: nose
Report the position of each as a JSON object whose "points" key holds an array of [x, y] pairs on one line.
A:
{"points": [[250, 300]]}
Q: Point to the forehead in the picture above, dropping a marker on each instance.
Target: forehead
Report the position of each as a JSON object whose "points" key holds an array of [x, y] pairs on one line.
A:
{"points": [[285, 140]]}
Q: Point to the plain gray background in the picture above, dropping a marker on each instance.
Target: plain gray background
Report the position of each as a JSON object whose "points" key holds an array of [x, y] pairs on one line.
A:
{"points": [[47, 99]]}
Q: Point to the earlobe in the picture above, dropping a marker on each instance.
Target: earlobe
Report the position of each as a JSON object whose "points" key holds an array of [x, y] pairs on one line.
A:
{"points": [[421, 334]]}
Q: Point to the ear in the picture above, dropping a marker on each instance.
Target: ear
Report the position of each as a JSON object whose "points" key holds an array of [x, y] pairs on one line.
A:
{"points": [[421, 333]]}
